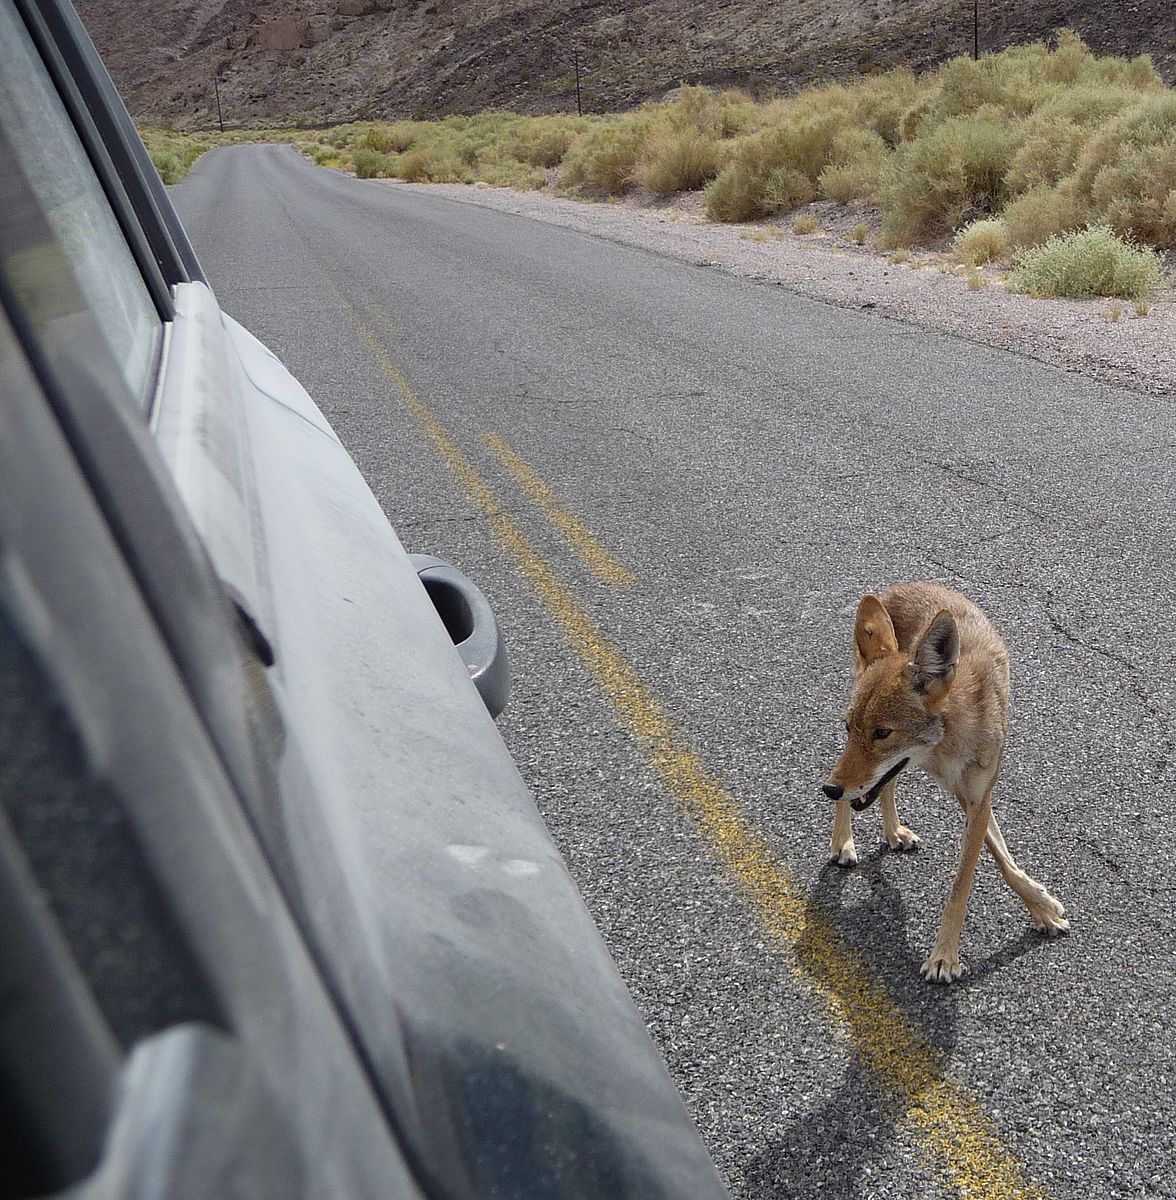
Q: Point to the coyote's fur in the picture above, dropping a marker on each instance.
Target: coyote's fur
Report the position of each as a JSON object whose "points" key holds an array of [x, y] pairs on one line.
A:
{"points": [[931, 690]]}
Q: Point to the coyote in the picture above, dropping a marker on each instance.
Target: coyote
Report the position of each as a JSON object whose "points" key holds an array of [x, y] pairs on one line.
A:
{"points": [[931, 690]]}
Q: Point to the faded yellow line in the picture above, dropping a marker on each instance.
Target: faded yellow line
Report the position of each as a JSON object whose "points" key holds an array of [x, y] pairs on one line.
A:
{"points": [[594, 556], [955, 1136]]}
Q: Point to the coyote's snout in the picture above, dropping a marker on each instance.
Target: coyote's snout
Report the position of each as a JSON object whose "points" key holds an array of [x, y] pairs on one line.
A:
{"points": [[931, 690]]}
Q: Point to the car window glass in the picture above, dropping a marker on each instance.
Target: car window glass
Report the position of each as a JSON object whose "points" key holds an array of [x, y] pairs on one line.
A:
{"points": [[70, 196]]}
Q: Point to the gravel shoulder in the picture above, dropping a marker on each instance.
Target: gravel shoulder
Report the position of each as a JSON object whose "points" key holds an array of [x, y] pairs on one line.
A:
{"points": [[1104, 339]]}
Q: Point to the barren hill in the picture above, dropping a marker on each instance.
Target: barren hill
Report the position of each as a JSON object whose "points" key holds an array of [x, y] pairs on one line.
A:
{"points": [[322, 61]]}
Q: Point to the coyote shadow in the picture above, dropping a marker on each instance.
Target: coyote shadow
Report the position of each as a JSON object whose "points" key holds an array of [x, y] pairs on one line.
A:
{"points": [[830, 1151]]}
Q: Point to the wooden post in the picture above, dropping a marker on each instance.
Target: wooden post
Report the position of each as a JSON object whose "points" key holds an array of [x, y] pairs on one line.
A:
{"points": [[216, 88], [579, 106]]}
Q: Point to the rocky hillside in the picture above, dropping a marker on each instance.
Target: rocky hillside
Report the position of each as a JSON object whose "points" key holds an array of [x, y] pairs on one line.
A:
{"points": [[321, 61]]}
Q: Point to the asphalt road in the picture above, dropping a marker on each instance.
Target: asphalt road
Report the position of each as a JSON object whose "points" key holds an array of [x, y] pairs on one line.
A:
{"points": [[757, 461]]}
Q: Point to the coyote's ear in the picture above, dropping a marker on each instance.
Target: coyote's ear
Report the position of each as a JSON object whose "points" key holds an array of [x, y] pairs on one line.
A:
{"points": [[873, 634], [934, 663]]}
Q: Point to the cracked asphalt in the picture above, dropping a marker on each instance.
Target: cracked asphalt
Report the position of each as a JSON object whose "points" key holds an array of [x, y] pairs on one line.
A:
{"points": [[758, 460]]}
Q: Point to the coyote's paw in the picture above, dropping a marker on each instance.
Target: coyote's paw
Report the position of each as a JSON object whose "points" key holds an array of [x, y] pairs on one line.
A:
{"points": [[943, 966], [844, 856], [903, 839], [1047, 917]]}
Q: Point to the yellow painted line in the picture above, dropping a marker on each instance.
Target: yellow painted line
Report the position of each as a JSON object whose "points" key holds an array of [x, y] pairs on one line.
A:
{"points": [[956, 1137], [594, 556]]}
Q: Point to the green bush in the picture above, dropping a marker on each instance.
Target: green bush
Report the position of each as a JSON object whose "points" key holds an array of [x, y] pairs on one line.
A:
{"points": [[736, 194], [801, 139], [981, 242], [389, 139], [860, 167], [738, 113], [325, 156], [543, 141], [167, 163], [1089, 262], [605, 157], [372, 164], [785, 189], [943, 178], [1048, 151], [413, 167], [1127, 172], [1040, 214], [881, 102], [509, 172], [678, 160], [173, 153]]}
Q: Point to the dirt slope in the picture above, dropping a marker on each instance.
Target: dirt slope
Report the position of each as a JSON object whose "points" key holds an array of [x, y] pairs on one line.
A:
{"points": [[331, 60]]}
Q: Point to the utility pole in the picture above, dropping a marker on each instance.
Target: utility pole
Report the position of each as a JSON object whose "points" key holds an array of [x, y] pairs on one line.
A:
{"points": [[975, 30], [216, 88], [576, 59]]}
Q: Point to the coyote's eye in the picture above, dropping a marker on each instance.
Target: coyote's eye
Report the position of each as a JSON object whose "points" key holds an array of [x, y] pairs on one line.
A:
{"points": [[881, 732]]}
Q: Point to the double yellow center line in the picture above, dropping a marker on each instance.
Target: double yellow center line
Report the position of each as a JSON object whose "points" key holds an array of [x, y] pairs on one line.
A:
{"points": [[956, 1138]]}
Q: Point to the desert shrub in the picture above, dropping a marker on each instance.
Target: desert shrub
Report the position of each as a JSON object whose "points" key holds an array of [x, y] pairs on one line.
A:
{"points": [[372, 164], [740, 193], [1041, 213], [543, 141], [859, 169], [167, 163], [738, 113], [856, 142], [945, 177], [1137, 195], [412, 167], [434, 166], [324, 155], [965, 85], [694, 107], [736, 194], [805, 225], [1127, 172], [776, 167], [1151, 121], [1090, 262], [605, 157], [510, 172], [174, 153], [1067, 63], [1048, 151], [802, 140], [389, 139], [844, 184], [981, 242], [912, 119], [678, 160], [1073, 63], [882, 101], [785, 189]]}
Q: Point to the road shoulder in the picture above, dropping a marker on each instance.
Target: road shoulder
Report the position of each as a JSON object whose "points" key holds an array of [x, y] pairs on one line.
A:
{"points": [[1108, 340]]}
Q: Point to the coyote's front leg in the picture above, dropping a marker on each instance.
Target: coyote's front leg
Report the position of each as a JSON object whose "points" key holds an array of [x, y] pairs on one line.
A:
{"points": [[943, 963], [841, 848], [897, 835]]}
